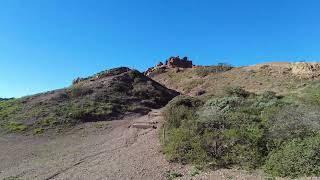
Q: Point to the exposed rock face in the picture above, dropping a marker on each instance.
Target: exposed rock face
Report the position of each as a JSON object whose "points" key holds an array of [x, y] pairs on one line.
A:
{"points": [[172, 62], [306, 70]]}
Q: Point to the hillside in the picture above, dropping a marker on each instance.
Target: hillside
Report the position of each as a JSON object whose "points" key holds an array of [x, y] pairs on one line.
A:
{"points": [[260, 117], [280, 77], [253, 122], [108, 95]]}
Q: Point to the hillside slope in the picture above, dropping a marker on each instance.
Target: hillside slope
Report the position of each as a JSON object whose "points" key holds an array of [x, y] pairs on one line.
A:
{"points": [[278, 77], [105, 96]]}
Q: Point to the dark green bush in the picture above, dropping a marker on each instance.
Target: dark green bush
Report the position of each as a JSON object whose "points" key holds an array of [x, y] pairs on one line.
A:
{"points": [[232, 138], [15, 127], [78, 90], [245, 130], [289, 122], [183, 146], [237, 91], [180, 109], [295, 158], [134, 74]]}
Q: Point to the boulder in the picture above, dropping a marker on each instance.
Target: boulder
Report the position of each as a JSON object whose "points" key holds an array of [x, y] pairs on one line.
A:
{"points": [[172, 62]]}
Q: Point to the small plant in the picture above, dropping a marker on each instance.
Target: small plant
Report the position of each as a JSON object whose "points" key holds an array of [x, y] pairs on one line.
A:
{"points": [[78, 90], [12, 178], [49, 121], [15, 127], [134, 74], [194, 171], [238, 91], [269, 178], [170, 175], [37, 131]]}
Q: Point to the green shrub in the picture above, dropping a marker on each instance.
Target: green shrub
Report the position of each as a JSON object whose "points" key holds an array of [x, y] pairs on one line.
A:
{"points": [[232, 139], [183, 146], [9, 107], [179, 110], [15, 127], [170, 175], [134, 74], [78, 90], [296, 158], [225, 104], [48, 121], [290, 122], [238, 91], [37, 131]]}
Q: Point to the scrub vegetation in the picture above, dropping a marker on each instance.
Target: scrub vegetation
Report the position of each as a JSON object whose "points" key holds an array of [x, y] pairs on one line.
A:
{"points": [[279, 134]]}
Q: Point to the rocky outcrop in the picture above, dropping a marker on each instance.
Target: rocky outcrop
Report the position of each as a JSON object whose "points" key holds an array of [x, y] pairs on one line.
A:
{"points": [[172, 62], [306, 70]]}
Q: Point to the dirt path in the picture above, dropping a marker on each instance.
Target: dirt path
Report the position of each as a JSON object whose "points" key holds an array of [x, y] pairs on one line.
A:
{"points": [[97, 151], [103, 150]]}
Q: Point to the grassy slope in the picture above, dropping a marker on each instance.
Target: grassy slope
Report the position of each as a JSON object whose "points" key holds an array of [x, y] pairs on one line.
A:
{"points": [[122, 92], [254, 79]]}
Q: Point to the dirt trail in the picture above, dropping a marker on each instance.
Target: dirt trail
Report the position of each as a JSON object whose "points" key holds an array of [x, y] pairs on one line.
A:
{"points": [[115, 152], [102, 150]]}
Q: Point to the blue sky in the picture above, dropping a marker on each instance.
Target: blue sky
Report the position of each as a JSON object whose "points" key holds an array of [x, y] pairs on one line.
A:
{"points": [[44, 44]]}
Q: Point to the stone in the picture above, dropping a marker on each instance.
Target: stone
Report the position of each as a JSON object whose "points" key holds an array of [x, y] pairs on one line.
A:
{"points": [[172, 62]]}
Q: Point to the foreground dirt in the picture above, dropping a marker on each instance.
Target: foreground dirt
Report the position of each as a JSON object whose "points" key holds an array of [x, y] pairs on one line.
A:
{"points": [[103, 150]]}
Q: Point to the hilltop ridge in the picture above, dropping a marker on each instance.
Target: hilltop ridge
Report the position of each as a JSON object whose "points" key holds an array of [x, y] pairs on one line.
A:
{"points": [[280, 77]]}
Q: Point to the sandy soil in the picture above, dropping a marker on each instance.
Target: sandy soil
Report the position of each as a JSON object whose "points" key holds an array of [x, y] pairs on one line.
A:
{"points": [[103, 150]]}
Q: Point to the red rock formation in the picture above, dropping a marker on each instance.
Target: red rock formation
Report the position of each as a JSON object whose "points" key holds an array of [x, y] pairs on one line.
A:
{"points": [[172, 62]]}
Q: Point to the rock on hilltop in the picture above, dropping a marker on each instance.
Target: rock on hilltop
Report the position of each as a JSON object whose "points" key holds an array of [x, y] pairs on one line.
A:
{"points": [[172, 62]]}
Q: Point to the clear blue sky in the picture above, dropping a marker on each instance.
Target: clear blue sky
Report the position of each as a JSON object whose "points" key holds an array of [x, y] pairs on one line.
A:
{"points": [[44, 44]]}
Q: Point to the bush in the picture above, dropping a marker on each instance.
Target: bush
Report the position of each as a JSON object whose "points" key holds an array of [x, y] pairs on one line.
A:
{"points": [[179, 110], [170, 175], [15, 127], [232, 139], [289, 122], [296, 158], [184, 146], [225, 104], [78, 90], [134, 74], [237, 91]]}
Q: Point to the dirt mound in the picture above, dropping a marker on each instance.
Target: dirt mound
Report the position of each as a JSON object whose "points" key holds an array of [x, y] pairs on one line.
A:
{"points": [[108, 95]]}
